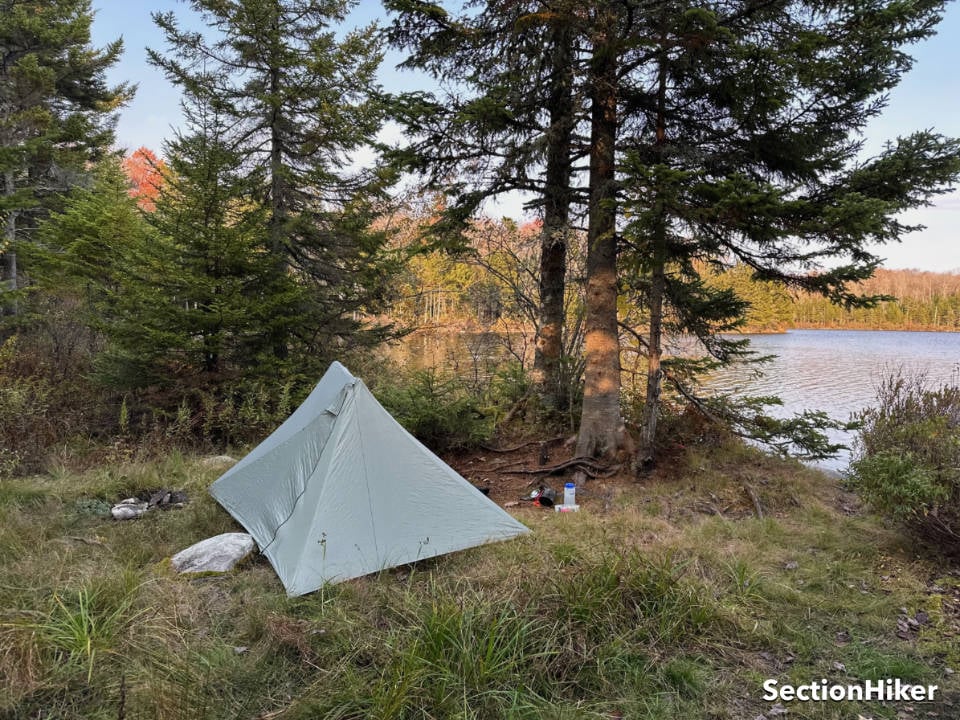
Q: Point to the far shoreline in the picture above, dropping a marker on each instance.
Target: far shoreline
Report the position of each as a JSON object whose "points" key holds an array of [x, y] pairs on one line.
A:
{"points": [[786, 330]]}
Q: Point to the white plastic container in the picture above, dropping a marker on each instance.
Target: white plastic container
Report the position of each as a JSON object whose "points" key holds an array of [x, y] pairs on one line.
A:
{"points": [[569, 494]]}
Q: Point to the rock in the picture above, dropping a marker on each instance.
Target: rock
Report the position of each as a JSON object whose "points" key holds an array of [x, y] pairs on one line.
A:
{"points": [[217, 554], [129, 509], [215, 460]]}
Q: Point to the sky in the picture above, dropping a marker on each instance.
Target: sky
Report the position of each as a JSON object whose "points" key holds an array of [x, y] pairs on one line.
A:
{"points": [[927, 98]]}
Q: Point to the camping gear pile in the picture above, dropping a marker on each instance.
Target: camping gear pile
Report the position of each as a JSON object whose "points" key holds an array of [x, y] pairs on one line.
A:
{"points": [[135, 507]]}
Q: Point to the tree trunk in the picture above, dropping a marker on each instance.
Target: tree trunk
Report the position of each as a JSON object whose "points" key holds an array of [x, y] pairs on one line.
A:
{"points": [[601, 426], [8, 256], [548, 359], [277, 226], [651, 407]]}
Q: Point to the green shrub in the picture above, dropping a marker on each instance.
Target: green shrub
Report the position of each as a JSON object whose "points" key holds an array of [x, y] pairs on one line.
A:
{"points": [[899, 484], [908, 457], [442, 413]]}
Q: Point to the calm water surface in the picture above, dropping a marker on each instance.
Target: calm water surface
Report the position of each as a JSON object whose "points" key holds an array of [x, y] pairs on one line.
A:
{"points": [[837, 370], [831, 370]]}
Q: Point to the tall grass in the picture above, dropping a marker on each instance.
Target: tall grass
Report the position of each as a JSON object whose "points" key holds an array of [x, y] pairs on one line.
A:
{"points": [[648, 610]]}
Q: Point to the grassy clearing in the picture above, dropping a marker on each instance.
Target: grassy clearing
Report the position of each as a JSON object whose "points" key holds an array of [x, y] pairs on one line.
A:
{"points": [[677, 602]]}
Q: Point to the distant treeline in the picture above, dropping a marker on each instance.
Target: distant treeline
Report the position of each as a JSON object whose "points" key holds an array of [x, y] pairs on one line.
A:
{"points": [[923, 301], [920, 301], [441, 289]]}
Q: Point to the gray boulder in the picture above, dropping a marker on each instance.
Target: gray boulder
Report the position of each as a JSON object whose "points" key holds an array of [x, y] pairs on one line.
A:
{"points": [[217, 554]]}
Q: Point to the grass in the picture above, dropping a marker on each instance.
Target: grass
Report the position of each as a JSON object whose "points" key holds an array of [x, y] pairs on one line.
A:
{"points": [[660, 608]]}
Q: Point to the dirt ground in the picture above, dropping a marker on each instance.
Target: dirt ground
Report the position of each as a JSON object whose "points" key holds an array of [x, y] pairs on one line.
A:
{"points": [[512, 472], [731, 488]]}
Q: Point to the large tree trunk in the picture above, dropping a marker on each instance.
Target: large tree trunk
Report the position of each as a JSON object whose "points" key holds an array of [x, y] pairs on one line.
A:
{"points": [[8, 250], [548, 359], [651, 408], [601, 426]]}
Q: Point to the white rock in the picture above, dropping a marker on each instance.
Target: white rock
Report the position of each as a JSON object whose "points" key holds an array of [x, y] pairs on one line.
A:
{"points": [[217, 554]]}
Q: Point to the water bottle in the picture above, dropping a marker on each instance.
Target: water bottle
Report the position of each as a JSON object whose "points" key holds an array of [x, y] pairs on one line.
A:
{"points": [[569, 494]]}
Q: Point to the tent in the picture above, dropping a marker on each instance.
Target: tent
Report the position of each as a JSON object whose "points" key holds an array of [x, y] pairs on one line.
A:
{"points": [[340, 490]]}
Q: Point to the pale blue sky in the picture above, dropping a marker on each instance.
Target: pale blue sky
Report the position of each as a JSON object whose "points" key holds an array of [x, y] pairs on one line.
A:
{"points": [[929, 97]]}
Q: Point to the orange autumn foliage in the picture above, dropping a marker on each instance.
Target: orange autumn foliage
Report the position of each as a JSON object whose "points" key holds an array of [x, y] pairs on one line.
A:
{"points": [[145, 171]]}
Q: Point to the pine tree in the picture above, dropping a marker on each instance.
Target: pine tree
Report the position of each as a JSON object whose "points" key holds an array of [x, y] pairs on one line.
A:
{"points": [[80, 258], [56, 110], [721, 133], [83, 249], [199, 296], [184, 295], [301, 102]]}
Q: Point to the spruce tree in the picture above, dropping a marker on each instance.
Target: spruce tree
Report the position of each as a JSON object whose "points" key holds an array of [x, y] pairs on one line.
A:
{"points": [[747, 149], [718, 133], [301, 102], [83, 249], [199, 296], [56, 111], [184, 295]]}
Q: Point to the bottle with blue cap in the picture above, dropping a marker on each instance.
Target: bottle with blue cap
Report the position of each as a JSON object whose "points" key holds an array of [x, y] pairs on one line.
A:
{"points": [[569, 494]]}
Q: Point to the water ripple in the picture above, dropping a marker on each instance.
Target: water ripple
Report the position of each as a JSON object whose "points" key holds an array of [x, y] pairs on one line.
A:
{"points": [[836, 371]]}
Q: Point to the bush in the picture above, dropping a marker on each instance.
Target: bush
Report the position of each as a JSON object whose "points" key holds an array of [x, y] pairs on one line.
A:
{"points": [[44, 399], [907, 463], [442, 413]]}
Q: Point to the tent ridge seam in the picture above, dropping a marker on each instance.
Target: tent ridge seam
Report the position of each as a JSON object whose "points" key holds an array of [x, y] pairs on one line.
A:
{"points": [[303, 491], [366, 478]]}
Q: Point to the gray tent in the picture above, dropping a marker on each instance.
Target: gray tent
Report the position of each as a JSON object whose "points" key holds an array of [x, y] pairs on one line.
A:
{"points": [[340, 490]]}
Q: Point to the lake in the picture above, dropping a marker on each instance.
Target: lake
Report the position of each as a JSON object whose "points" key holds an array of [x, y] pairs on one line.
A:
{"points": [[837, 370], [831, 370]]}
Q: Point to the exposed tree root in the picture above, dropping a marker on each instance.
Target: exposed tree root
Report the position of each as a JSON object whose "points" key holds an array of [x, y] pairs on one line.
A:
{"points": [[586, 465], [752, 494], [488, 448]]}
